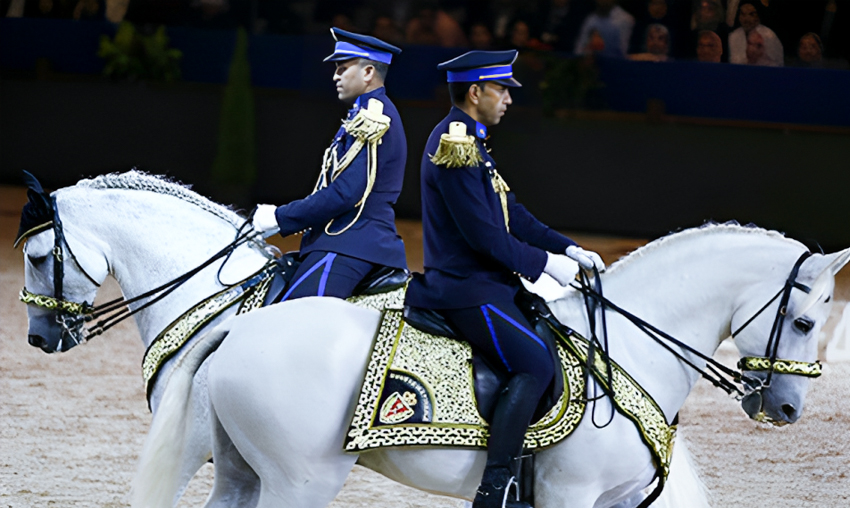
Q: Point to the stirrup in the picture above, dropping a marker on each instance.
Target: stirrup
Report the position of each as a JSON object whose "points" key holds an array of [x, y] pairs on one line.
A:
{"points": [[482, 494]]}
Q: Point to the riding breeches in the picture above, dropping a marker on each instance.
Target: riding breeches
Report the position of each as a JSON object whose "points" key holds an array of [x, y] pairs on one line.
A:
{"points": [[327, 274], [504, 336]]}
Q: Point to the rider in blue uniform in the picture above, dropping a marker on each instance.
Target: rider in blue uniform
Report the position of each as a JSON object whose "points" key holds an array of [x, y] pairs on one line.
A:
{"points": [[348, 222], [478, 240]]}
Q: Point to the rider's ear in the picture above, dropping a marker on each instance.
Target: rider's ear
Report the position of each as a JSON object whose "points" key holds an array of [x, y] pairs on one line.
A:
{"points": [[827, 266]]}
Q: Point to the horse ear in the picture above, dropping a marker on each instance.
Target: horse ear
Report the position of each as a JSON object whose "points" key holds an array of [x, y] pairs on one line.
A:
{"points": [[841, 259], [825, 279]]}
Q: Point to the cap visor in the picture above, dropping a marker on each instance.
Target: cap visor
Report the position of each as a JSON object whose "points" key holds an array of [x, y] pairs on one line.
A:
{"points": [[340, 57], [511, 82]]}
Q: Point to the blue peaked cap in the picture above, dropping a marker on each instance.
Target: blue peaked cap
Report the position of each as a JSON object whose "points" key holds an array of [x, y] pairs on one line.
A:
{"points": [[474, 66], [350, 45]]}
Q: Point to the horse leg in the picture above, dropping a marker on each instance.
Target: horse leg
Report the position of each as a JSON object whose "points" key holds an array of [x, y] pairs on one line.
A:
{"points": [[284, 395], [236, 484], [594, 467]]}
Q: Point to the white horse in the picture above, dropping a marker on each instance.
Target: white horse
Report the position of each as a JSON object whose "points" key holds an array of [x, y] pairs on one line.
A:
{"points": [[282, 397], [143, 231]]}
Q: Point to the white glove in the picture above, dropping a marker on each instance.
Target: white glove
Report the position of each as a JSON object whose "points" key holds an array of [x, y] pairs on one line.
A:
{"points": [[559, 268], [587, 259], [265, 221]]}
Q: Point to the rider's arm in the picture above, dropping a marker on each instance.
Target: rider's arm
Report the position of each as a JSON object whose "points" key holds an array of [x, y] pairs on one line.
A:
{"points": [[465, 191], [319, 208], [527, 228]]}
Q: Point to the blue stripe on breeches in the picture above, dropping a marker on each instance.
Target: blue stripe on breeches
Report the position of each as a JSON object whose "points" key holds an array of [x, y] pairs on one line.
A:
{"points": [[327, 274], [500, 332]]}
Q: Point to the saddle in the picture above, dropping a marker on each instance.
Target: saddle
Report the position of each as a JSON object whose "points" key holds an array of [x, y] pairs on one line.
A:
{"points": [[488, 382], [380, 280]]}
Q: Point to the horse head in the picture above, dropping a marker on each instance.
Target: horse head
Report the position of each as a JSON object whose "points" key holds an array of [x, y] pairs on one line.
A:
{"points": [[778, 340], [60, 281]]}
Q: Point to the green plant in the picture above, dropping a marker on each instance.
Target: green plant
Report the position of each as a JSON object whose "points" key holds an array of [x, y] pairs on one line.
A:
{"points": [[235, 162], [568, 82], [131, 55]]}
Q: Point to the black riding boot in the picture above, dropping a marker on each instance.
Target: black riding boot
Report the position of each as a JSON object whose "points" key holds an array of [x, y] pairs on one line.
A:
{"points": [[510, 421]]}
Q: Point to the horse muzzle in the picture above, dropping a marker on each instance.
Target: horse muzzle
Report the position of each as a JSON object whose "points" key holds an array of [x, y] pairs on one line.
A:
{"points": [[40, 342]]}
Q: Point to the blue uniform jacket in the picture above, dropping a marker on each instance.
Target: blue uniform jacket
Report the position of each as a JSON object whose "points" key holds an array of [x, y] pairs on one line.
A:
{"points": [[373, 237], [470, 257]]}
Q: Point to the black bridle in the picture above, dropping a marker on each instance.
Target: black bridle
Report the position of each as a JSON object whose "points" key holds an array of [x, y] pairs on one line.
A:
{"points": [[71, 316], [716, 373]]}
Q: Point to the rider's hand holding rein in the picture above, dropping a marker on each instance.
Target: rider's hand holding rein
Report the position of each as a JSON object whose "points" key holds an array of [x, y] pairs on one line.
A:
{"points": [[587, 259], [265, 221]]}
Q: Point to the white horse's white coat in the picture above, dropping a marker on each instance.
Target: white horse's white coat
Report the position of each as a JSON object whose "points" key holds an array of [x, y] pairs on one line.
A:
{"points": [[282, 397], [144, 231]]}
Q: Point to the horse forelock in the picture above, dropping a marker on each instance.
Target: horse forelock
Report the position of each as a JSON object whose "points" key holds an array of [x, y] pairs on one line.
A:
{"points": [[699, 232], [141, 181]]}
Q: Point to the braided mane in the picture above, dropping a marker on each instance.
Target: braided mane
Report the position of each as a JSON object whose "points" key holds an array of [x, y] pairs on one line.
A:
{"points": [[708, 228], [139, 180]]}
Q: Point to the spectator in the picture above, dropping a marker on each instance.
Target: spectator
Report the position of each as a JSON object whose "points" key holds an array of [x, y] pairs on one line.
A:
{"points": [[656, 45], [809, 51], [433, 26], [748, 17], [613, 24], [560, 21], [708, 15], [386, 30], [757, 52], [661, 12], [520, 35], [709, 47], [421, 28], [480, 37]]}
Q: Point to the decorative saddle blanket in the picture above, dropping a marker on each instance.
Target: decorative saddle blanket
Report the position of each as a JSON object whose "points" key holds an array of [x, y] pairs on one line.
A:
{"points": [[418, 391]]}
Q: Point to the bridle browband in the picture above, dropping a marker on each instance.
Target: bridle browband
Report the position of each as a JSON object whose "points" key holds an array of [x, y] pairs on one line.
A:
{"points": [[71, 316], [715, 371]]}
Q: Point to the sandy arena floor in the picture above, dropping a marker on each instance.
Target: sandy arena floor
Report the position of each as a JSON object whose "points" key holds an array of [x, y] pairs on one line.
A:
{"points": [[71, 425]]}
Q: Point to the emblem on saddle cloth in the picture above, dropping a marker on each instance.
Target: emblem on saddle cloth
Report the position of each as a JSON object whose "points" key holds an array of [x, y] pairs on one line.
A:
{"points": [[418, 391]]}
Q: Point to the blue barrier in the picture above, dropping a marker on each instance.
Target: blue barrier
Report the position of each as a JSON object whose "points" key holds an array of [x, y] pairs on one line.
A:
{"points": [[734, 92]]}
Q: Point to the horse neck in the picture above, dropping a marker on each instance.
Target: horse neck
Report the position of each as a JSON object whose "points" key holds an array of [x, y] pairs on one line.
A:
{"points": [[150, 239], [689, 289]]}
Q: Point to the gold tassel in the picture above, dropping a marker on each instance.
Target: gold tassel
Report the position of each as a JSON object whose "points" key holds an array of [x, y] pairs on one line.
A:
{"points": [[501, 188], [457, 150]]}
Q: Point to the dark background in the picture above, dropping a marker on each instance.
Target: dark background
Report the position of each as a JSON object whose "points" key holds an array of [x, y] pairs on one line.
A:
{"points": [[671, 146]]}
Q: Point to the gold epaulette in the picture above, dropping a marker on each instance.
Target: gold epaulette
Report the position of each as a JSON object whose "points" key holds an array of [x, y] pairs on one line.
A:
{"points": [[370, 123], [457, 149]]}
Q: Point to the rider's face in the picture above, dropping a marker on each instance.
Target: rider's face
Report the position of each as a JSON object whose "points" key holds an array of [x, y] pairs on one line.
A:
{"points": [[491, 100], [350, 78]]}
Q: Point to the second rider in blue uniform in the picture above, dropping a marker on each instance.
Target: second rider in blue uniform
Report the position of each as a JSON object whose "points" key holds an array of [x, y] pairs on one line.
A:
{"points": [[348, 222], [477, 241]]}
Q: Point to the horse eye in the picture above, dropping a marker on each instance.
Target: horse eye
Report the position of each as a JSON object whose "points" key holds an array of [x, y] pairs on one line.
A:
{"points": [[805, 325], [828, 298], [37, 260]]}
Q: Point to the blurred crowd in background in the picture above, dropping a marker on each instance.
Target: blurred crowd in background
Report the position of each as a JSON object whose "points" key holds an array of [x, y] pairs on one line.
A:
{"points": [[809, 33]]}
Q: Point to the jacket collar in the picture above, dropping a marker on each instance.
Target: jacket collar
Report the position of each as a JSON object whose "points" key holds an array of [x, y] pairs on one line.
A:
{"points": [[363, 100], [458, 115]]}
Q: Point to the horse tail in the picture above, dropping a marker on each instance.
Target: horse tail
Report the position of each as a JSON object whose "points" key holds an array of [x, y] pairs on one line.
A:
{"points": [[156, 483], [684, 486]]}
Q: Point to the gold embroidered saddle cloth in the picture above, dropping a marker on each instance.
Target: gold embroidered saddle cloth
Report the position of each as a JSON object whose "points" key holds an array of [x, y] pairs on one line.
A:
{"points": [[418, 391]]}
